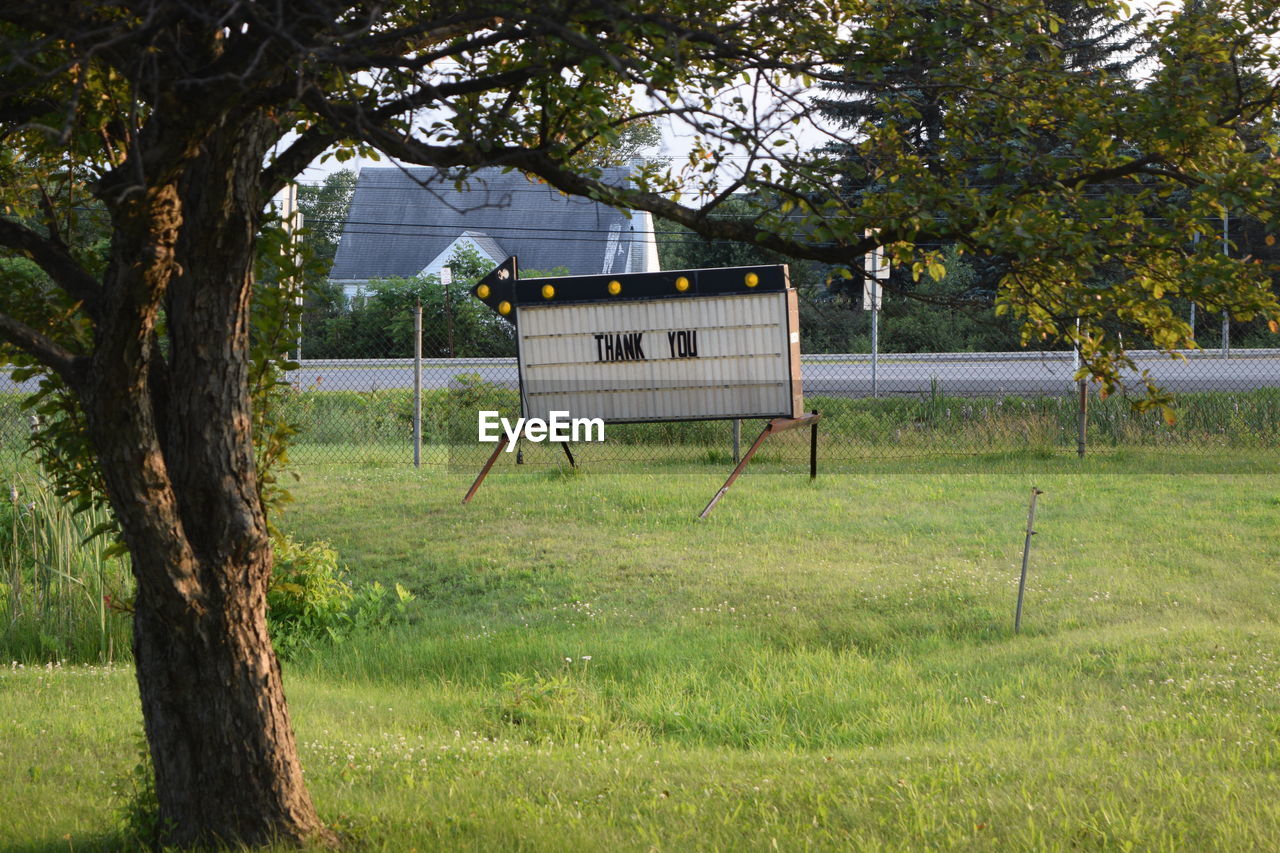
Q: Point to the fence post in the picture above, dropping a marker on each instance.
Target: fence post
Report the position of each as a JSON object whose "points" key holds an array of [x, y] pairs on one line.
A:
{"points": [[737, 439], [875, 340], [1226, 317], [417, 385], [1195, 241], [1082, 418]]}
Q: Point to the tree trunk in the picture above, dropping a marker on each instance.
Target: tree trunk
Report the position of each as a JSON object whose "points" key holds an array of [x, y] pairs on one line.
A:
{"points": [[219, 731], [173, 435]]}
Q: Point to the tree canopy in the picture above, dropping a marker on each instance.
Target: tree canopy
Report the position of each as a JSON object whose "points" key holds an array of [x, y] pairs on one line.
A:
{"points": [[1065, 135], [176, 122]]}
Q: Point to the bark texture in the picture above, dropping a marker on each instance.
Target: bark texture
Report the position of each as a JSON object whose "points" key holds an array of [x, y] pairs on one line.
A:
{"points": [[173, 431]]}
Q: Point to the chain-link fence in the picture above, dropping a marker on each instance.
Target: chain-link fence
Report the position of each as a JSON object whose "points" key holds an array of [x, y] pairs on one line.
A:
{"points": [[873, 405], [360, 407]]}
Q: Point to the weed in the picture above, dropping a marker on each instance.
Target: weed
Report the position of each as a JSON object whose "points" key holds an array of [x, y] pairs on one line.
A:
{"points": [[311, 601], [137, 806]]}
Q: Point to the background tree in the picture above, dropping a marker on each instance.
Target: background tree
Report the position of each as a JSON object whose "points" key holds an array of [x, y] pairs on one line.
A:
{"points": [[953, 314], [378, 323], [324, 209], [824, 325], [911, 99], [183, 119], [622, 143]]}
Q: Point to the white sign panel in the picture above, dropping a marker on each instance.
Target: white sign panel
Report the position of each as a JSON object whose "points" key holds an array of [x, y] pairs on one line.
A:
{"points": [[871, 295], [712, 356]]}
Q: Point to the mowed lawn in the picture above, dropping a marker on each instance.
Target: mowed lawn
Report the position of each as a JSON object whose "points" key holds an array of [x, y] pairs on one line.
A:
{"points": [[826, 666]]}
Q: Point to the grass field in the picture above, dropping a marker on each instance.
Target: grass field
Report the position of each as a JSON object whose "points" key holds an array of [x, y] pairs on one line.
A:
{"points": [[825, 666]]}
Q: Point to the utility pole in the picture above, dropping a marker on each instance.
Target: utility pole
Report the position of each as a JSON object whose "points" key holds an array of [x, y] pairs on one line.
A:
{"points": [[291, 218], [1226, 317], [446, 279], [1195, 241]]}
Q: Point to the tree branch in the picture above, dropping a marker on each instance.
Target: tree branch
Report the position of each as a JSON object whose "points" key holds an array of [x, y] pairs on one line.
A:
{"points": [[46, 351], [65, 270], [403, 49], [51, 219], [307, 147], [1100, 176], [425, 95], [542, 164]]}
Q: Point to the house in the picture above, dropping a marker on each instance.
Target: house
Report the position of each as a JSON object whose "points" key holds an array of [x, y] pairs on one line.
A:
{"points": [[409, 221]]}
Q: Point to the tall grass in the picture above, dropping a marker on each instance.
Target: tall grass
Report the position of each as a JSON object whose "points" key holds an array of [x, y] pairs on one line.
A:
{"points": [[61, 599], [934, 422], [905, 426]]}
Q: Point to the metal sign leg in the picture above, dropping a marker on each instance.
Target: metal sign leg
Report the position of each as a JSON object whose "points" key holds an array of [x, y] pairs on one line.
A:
{"points": [[775, 425], [484, 472], [746, 457]]}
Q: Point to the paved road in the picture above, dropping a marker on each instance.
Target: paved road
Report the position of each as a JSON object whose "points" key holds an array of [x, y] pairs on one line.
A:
{"points": [[958, 375], [993, 374], [989, 374]]}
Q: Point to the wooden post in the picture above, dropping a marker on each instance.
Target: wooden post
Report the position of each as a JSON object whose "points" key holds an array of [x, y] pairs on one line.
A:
{"points": [[1226, 317], [448, 319]]}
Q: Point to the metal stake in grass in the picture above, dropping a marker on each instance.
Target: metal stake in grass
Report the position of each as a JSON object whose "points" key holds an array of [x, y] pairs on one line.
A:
{"points": [[1026, 553]]}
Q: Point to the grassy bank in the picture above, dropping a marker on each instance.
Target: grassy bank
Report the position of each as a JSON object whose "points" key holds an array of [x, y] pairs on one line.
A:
{"points": [[817, 666]]}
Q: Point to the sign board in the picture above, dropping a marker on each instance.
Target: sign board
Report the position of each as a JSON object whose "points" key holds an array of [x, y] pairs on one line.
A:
{"points": [[667, 346]]}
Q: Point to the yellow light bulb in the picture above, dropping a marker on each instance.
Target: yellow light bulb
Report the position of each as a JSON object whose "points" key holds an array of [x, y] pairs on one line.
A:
{"points": [[682, 284], [483, 291], [504, 308], [752, 279], [615, 287], [548, 291]]}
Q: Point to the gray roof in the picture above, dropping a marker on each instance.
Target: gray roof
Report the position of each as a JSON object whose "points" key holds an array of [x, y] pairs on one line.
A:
{"points": [[488, 245], [402, 218]]}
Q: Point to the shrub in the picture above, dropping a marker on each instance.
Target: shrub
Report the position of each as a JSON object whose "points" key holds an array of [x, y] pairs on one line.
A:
{"points": [[310, 600]]}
